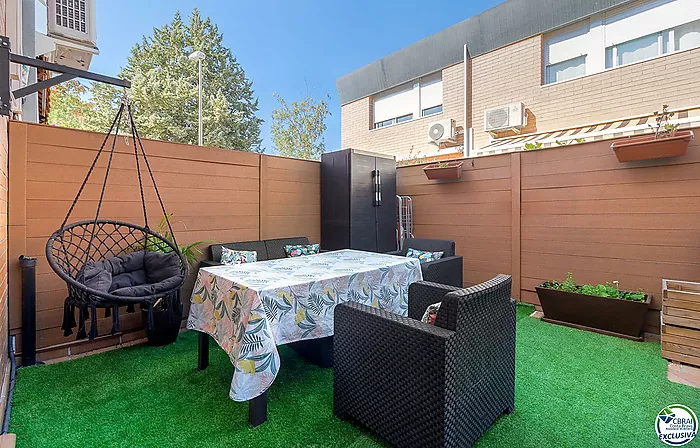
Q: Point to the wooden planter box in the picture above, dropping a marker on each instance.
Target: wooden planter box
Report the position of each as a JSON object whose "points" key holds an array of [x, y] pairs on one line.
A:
{"points": [[648, 147], [613, 317], [453, 170], [680, 318]]}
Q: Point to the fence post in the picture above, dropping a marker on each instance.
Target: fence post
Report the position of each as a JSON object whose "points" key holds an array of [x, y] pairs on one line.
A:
{"points": [[515, 198], [28, 266]]}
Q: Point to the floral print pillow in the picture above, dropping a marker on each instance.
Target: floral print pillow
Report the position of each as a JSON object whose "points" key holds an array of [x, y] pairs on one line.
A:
{"points": [[423, 256], [230, 256], [301, 249], [431, 313]]}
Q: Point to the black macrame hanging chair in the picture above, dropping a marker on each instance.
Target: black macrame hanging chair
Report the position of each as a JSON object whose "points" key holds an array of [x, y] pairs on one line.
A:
{"points": [[108, 264]]}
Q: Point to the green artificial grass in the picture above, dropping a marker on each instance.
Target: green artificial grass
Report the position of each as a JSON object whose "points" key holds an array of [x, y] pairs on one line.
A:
{"points": [[573, 388]]}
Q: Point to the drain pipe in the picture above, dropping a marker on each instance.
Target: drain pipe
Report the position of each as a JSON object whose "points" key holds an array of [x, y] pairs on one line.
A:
{"points": [[10, 392]]}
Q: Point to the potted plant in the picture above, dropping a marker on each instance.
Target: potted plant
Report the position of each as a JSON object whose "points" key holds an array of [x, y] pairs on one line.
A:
{"points": [[667, 141], [443, 170], [603, 308], [166, 325]]}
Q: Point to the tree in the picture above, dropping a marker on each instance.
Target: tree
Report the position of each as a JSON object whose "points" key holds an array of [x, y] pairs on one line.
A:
{"points": [[68, 109], [164, 89], [298, 127]]}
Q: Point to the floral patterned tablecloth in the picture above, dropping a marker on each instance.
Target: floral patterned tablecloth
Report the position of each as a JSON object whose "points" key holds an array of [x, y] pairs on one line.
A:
{"points": [[251, 308]]}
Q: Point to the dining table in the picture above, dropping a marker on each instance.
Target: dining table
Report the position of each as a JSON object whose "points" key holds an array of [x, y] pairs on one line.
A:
{"points": [[250, 309]]}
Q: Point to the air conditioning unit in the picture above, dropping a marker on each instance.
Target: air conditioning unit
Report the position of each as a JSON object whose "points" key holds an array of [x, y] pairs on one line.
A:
{"points": [[441, 131], [508, 117], [71, 32], [72, 19]]}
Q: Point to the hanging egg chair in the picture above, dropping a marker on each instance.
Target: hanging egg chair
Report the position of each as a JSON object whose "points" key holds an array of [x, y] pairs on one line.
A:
{"points": [[108, 264]]}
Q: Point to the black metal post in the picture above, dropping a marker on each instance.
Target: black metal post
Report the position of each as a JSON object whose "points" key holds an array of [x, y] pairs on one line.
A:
{"points": [[203, 351], [4, 76], [28, 266], [257, 410]]}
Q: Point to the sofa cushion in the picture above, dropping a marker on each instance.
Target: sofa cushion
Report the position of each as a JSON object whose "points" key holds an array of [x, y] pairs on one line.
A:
{"points": [[275, 247], [230, 256], [257, 246], [423, 256], [298, 250], [430, 245]]}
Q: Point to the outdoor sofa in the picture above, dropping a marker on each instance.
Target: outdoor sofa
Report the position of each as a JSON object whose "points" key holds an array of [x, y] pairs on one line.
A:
{"points": [[447, 270], [267, 249]]}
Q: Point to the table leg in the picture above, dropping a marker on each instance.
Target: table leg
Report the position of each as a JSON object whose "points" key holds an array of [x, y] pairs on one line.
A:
{"points": [[203, 355], [257, 410]]}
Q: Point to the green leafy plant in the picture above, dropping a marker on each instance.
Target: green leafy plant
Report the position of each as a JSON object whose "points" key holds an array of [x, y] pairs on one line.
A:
{"points": [[569, 142], [443, 164], [532, 146], [610, 290], [190, 251], [663, 127]]}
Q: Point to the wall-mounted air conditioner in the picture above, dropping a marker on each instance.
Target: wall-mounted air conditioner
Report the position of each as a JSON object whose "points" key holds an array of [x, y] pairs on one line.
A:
{"points": [[441, 131], [72, 19], [509, 117], [71, 35]]}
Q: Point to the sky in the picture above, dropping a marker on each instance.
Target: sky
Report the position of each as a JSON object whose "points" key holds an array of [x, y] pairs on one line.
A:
{"points": [[288, 47]]}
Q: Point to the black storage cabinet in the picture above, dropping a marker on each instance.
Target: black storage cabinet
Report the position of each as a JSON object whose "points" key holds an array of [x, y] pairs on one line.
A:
{"points": [[358, 201]]}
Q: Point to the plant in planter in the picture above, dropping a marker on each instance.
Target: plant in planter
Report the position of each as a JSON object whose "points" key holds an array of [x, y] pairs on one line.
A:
{"points": [[166, 322], [667, 141], [604, 308], [444, 170]]}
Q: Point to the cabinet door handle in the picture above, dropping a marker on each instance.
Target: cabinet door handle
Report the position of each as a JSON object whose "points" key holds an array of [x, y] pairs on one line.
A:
{"points": [[377, 181]]}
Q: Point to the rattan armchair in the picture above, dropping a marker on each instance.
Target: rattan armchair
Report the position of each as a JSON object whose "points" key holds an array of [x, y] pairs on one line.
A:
{"points": [[421, 385]]}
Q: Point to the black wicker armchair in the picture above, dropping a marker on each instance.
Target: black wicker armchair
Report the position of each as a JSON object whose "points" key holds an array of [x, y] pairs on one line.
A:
{"points": [[447, 270], [421, 385]]}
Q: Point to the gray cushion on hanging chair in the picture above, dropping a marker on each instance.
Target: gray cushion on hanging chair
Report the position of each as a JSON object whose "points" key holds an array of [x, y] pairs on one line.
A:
{"points": [[149, 288], [96, 278], [160, 266], [134, 274]]}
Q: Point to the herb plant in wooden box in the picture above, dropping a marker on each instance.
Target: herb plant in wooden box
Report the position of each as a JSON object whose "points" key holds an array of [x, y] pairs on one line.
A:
{"points": [[604, 308]]}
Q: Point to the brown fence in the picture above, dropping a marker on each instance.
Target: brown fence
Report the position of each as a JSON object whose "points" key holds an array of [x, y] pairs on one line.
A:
{"points": [[213, 194], [538, 215]]}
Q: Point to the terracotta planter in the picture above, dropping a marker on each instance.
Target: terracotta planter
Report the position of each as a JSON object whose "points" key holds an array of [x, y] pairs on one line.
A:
{"points": [[613, 317], [648, 147], [451, 170]]}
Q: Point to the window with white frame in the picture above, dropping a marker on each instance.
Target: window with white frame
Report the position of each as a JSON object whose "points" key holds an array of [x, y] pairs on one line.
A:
{"points": [[566, 53], [419, 98], [632, 33]]}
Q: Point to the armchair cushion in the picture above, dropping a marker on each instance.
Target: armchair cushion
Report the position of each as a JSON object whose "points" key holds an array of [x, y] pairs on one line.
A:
{"points": [[431, 313], [422, 255]]}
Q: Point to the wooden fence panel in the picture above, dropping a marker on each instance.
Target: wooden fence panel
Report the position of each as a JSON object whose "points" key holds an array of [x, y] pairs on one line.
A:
{"points": [[577, 210], [213, 195], [474, 211]]}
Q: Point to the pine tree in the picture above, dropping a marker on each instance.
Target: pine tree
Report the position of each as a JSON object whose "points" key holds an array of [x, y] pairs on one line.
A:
{"points": [[164, 89]]}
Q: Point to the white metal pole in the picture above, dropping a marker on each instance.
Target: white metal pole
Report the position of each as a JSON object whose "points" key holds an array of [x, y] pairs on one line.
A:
{"points": [[201, 131]]}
